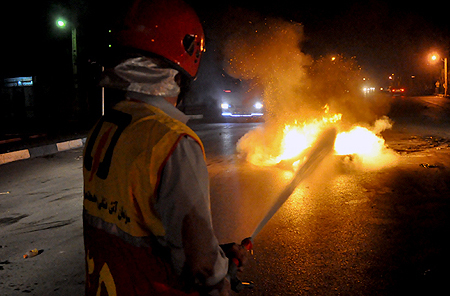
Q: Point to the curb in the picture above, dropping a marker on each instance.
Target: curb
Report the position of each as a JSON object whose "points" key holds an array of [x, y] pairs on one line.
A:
{"points": [[41, 151]]}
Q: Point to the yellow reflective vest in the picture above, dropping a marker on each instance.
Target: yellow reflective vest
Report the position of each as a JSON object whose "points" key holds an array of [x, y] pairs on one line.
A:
{"points": [[123, 160]]}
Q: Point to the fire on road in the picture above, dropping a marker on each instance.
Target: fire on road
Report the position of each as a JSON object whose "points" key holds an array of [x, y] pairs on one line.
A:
{"points": [[345, 231]]}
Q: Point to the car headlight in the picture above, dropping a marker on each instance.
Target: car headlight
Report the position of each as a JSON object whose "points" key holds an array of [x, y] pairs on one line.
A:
{"points": [[258, 105], [225, 105]]}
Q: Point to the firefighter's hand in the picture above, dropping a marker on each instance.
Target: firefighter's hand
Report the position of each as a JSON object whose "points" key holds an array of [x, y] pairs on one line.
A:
{"points": [[237, 254]]}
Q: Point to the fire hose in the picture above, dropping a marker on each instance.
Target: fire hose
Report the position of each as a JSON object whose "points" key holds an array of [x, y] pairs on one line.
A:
{"points": [[322, 148]]}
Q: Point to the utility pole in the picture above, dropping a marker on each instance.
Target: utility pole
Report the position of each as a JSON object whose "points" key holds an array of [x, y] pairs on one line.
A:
{"points": [[74, 58], [61, 23], [445, 77], [103, 95]]}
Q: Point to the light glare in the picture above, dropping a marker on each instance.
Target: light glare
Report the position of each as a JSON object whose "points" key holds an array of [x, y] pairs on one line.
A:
{"points": [[60, 23], [258, 105]]}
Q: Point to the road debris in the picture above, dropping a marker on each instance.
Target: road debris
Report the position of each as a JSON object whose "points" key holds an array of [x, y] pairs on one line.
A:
{"points": [[430, 166], [32, 253]]}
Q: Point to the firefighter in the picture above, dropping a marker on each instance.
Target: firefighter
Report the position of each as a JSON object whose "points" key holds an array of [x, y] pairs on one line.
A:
{"points": [[146, 212]]}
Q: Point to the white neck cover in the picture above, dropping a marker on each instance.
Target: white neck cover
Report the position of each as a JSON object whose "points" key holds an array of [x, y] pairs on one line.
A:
{"points": [[142, 75]]}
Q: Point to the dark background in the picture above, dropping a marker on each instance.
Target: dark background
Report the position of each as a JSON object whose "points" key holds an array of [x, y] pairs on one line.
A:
{"points": [[385, 37]]}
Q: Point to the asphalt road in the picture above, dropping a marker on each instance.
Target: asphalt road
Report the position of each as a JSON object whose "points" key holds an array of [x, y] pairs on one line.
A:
{"points": [[343, 232]]}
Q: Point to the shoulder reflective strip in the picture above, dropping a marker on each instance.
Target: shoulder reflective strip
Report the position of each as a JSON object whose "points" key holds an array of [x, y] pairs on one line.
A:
{"points": [[141, 242]]}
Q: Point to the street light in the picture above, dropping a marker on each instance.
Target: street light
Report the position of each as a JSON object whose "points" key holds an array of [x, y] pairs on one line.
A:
{"points": [[435, 57], [62, 23]]}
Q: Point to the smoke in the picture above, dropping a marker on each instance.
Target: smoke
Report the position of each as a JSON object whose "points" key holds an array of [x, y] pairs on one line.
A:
{"points": [[382, 124], [266, 51], [297, 90]]}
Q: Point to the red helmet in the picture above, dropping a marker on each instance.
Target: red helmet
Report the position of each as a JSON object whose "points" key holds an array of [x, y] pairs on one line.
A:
{"points": [[170, 29]]}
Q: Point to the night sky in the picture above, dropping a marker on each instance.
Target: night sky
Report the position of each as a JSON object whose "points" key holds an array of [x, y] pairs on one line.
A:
{"points": [[385, 37]]}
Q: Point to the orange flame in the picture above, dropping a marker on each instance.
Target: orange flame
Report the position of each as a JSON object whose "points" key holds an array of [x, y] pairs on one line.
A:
{"points": [[362, 142]]}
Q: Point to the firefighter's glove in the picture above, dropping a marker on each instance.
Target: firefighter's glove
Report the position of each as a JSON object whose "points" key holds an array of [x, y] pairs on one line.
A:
{"points": [[237, 254]]}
